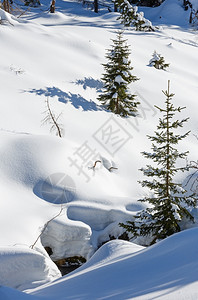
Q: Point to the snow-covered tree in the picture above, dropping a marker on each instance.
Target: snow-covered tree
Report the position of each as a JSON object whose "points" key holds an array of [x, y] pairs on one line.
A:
{"points": [[169, 202], [116, 96], [158, 62], [129, 16]]}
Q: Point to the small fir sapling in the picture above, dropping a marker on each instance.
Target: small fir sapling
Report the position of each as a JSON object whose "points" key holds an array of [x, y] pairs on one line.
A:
{"points": [[158, 62]]}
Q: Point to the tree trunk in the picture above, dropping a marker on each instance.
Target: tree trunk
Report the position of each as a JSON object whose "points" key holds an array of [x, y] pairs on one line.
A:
{"points": [[96, 6], [117, 106], [6, 6], [52, 6], [168, 145]]}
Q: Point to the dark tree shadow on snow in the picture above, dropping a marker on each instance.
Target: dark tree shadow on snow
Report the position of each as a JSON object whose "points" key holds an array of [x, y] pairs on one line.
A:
{"points": [[75, 99], [58, 188], [91, 83]]}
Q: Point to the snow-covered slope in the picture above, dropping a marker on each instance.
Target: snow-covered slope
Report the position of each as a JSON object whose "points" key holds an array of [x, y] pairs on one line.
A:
{"points": [[122, 270], [44, 177], [10, 294]]}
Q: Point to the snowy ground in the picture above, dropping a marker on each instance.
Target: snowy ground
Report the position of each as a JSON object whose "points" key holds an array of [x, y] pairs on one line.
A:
{"points": [[43, 176]]}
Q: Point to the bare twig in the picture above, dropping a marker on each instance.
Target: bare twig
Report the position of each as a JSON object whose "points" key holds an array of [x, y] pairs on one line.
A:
{"points": [[112, 168], [53, 120], [45, 226], [196, 136], [23, 12], [97, 161]]}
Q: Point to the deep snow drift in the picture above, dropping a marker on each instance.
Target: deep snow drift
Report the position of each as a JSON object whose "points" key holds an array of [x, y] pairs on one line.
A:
{"points": [[123, 270], [43, 177]]}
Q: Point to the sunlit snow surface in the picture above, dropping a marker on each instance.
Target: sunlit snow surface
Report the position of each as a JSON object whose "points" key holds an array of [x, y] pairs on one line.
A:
{"points": [[43, 177]]}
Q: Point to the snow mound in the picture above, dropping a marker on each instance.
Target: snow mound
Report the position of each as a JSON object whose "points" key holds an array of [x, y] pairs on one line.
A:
{"points": [[67, 238], [6, 18], [170, 12], [22, 267], [111, 252], [122, 270]]}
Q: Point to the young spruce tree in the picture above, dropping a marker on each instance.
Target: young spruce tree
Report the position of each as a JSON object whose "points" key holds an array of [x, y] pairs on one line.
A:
{"points": [[129, 16], [116, 95], [169, 201], [158, 62]]}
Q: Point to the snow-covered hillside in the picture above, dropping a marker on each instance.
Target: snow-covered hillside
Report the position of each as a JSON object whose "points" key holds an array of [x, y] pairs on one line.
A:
{"points": [[43, 177], [122, 270]]}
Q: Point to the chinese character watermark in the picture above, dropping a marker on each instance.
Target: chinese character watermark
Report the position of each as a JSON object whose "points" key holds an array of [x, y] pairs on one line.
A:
{"points": [[112, 136], [143, 109], [82, 159], [58, 188]]}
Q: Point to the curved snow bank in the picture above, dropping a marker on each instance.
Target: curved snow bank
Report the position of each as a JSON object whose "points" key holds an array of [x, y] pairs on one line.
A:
{"points": [[67, 238], [23, 268], [111, 252], [42, 180], [119, 270], [97, 216]]}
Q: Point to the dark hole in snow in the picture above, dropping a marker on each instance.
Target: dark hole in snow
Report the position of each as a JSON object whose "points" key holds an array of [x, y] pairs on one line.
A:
{"points": [[48, 250], [124, 236], [69, 264], [67, 270]]}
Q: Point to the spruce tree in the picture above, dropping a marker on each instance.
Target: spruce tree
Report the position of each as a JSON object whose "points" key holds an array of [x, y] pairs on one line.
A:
{"points": [[158, 61], [130, 16], [116, 95], [169, 202]]}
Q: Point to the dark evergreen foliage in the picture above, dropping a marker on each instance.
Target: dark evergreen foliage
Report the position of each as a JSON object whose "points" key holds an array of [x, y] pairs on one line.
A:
{"points": [[158, 61], [169, 202], [32, 3], [116, 96], [130, 16]]}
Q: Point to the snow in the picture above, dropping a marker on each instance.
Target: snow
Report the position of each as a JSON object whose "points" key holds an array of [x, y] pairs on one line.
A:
{"points": [[44, 177], [10, 294], [119, 79], [194, 4], [123, 270], [67, 238], [22, 267]]}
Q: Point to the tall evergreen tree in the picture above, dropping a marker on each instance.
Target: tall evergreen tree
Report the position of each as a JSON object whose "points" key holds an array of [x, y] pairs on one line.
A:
{"points": [[116, 95], [169, 202]]}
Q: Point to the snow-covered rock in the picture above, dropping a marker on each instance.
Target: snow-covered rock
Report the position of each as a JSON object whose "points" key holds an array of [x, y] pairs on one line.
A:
{"points": [[22, 267]]}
